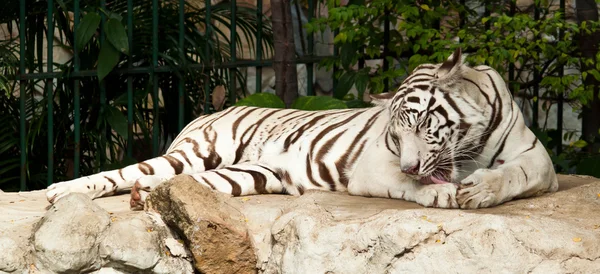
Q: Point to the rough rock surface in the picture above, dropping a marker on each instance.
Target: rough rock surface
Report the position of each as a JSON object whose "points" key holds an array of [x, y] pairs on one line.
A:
{"points": [[323, 232], [210, 223], [67, 237], [78, 235]]}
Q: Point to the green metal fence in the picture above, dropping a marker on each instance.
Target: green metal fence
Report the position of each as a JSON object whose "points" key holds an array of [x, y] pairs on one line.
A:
{"points": [[154, 71]]}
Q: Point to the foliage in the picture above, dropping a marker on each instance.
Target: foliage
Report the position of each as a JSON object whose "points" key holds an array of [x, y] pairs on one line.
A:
{"points": [[270, 100], [103, 99], [265, 100], [515, 44]]}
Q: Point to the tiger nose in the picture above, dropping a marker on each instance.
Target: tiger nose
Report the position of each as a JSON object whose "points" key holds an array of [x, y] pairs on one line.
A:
{"points": [[412, 170]]}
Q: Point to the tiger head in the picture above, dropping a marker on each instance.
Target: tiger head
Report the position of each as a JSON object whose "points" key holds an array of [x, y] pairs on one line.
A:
{"points": [[438, 120]]}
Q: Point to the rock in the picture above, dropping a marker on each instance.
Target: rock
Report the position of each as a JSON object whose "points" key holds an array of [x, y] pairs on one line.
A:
{"points": [[12, 255], [138, 243], [334, 233], [67, 237], [210, 223], [78, 235], [319, 232], [132, 243]]}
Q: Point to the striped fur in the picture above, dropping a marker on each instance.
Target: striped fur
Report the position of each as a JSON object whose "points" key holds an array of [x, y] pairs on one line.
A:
{"points": [[450, 137]]}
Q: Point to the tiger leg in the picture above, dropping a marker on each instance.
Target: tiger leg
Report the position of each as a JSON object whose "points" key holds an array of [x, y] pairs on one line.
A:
{"points": [[237, 180], [109, 182], [526, 176]]}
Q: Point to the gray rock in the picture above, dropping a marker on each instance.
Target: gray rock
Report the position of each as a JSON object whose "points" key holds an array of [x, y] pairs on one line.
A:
{"points": [[67, 237], [132, 243], [12, 254], [333, 233]]}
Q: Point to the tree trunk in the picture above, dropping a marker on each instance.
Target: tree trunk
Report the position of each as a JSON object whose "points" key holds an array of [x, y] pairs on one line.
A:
{"points": [[286, 83], [588, 44]]}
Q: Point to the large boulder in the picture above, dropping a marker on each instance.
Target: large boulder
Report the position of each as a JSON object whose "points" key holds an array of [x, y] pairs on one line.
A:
{"points": [[334, 233], [210, 223], [67, 237]]}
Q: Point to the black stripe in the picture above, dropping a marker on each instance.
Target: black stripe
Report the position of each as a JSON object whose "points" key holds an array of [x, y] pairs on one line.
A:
{"points": [[532, 145], [184, 155], [502, 144], [323, 170], [236, 123], [207, 182], [111, 181], [213, 160], [342, 163], [146, 168], [524, 173], [260, 180], [270, 170], [175, 164], [236, 190]]}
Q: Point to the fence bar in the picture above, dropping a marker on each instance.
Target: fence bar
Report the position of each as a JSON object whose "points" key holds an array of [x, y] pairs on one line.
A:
{"points": [[181, 84], [232, 39], [130, 80], [76, 97], [22, 96], [536, 78], [561, 72], [207, 62], [259, 27], [155, 120], [310, 67], [511, 65], [101, 155], [50, 91]]}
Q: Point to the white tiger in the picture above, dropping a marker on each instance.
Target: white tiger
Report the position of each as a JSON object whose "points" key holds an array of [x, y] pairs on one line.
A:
{"points": [[450, 137]]}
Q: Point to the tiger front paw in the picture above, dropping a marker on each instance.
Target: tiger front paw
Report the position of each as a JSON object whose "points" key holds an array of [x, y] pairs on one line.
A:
{"points": [[479, 189], [59, 190], [437, 195]]}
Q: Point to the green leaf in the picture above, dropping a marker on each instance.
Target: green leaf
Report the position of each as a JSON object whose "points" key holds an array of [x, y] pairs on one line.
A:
{"points": [[107, 60], [595, 73], [117, 121], [344, 84], [357, 104], [580, 143], [265, 100], [362, 80], [425, 7], [348, 53], [86, 29], [318, 103], [115, 33]]}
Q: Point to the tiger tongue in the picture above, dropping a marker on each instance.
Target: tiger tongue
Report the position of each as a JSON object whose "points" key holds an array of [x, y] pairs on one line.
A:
{"points": [[438, 181], [432, 180]]}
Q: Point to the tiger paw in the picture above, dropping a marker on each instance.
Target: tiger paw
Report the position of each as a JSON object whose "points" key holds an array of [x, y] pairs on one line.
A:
{"points": [[437, 195], [141, 189], [59, 190], [479, 189]]}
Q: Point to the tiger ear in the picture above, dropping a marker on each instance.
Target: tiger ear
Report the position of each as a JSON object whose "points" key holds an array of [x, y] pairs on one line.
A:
{"points": [[450, 67]]}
